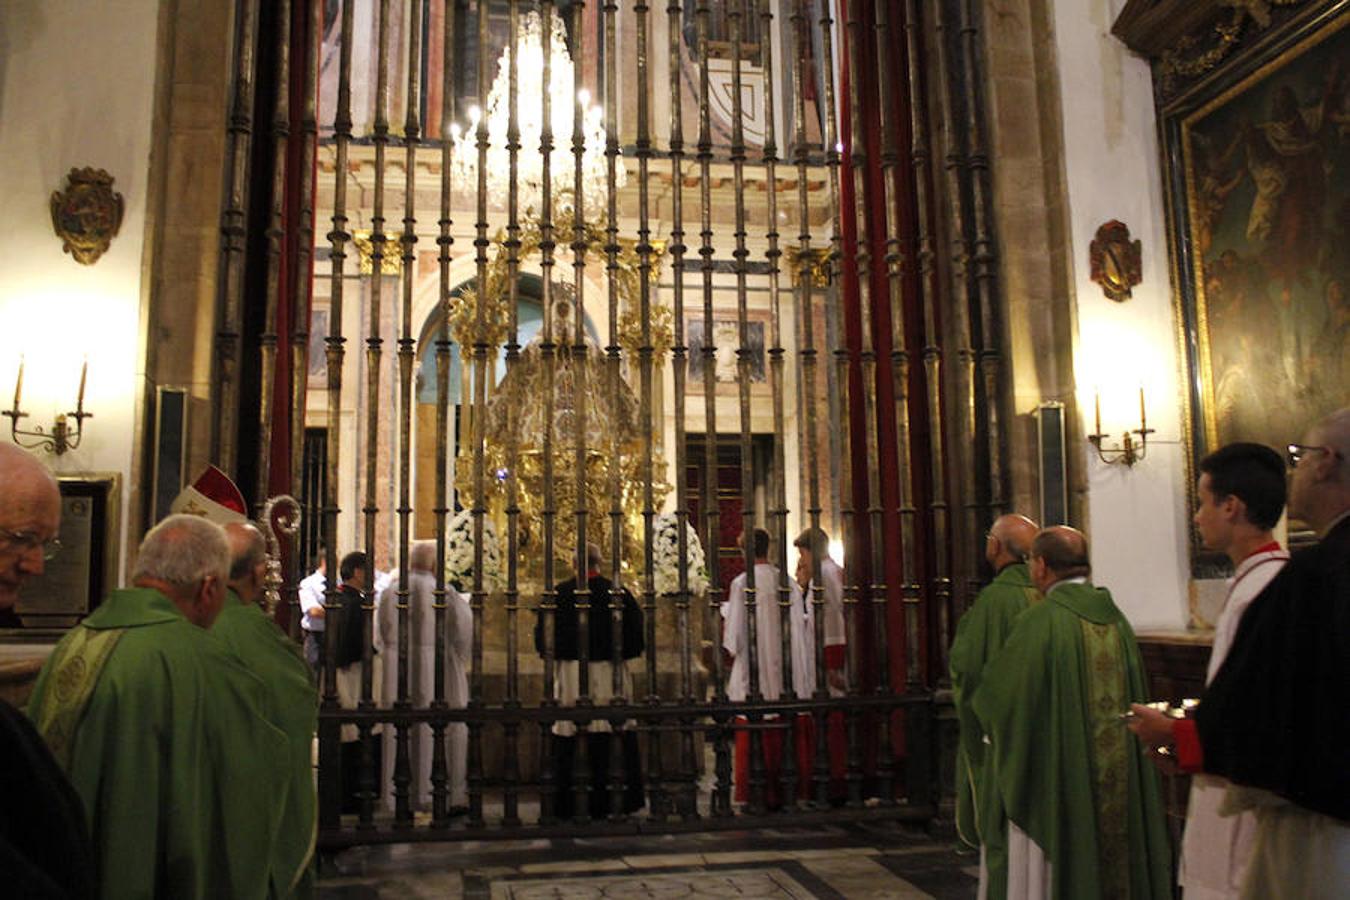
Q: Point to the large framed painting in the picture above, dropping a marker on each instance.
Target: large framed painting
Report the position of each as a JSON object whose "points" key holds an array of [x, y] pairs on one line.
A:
{"points": [[1258, 183]]}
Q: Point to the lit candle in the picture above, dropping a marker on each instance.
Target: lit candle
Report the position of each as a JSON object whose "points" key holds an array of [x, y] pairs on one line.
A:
{"points": [[18, 385], [1141, 408], [84, 372], [1098, 401]]}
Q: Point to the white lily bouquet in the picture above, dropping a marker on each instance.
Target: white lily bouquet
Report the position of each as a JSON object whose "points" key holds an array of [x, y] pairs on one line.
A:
{"points": [[459, 553], [666, 561]]}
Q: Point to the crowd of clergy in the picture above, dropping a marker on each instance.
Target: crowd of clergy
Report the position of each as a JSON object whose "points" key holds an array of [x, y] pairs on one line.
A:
{"points": [[1048, 682], [167, 747]]}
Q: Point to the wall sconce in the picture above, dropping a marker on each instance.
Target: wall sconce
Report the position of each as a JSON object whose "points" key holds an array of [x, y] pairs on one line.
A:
{"points": [[62, 437], [1127, 451]]}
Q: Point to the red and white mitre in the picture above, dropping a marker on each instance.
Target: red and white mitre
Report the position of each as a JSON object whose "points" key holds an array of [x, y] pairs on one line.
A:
{"points": [[212, 496]]}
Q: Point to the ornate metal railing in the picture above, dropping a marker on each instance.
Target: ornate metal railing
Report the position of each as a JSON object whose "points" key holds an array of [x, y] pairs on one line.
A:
{"points": [[579, 442]]}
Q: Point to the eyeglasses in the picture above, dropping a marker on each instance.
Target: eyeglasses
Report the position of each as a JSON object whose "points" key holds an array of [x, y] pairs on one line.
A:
{"points": [[27, 542], [1296, 452]]}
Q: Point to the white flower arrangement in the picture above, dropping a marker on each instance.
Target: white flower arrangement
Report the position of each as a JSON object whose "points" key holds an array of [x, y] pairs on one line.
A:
{"points": [[666, 557], [459, 553]]}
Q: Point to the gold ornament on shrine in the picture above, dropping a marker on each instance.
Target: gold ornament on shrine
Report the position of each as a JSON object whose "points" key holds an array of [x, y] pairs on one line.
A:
{"points": [[87, 214], [521, 423]]}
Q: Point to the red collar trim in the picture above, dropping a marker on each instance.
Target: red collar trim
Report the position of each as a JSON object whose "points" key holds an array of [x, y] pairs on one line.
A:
{"points": [[1264, 548]]}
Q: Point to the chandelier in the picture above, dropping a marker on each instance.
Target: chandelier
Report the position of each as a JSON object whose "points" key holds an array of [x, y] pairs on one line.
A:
{"points": [[529, 120]]}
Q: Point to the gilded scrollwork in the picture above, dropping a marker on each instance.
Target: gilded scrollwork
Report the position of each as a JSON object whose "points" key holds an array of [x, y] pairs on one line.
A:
{"points": [[1194, 56]]}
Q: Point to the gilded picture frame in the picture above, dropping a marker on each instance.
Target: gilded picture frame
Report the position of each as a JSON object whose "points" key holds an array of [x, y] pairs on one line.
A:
{"points": [[1257, 180]]}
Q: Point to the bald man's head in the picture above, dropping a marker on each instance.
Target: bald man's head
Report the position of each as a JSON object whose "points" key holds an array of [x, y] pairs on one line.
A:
{"points": [[1057, 553], [30, 517], [1319, 492], [1009, 541], [248, 560]]}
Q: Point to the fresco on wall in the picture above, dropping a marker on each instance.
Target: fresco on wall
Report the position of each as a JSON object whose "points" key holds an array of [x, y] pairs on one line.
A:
{"points": [[1266, 169]]}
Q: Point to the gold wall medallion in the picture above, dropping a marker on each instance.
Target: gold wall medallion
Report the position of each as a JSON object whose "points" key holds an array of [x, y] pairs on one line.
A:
{"points": [[1117, 262], [87, 214]]}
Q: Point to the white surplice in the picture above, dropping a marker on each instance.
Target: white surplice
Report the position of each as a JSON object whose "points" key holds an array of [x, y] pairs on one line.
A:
{"points": [[458, 639], [1215, 848], [836, 630], [1297, 854], [769, 637]]}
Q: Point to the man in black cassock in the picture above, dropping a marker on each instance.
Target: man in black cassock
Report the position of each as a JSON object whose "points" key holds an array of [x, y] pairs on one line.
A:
{"points": [[1275, 720], [605, 661]]}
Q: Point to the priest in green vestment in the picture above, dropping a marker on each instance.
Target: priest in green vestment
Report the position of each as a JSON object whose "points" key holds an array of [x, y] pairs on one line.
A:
{"points": [[1083, 804], [980, 634], [292, 702], [162, 731]]}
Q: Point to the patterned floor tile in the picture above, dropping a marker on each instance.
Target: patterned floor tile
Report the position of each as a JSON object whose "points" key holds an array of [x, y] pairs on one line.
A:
{"points": [[744, 884]]}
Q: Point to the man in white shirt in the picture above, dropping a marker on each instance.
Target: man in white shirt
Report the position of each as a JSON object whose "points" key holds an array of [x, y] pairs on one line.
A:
{"points": [[768, 663], [1241, 496], [312, 588]]}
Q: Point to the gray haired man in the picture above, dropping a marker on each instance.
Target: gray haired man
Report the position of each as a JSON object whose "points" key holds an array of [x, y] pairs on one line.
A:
{"points": [[163, 732]]}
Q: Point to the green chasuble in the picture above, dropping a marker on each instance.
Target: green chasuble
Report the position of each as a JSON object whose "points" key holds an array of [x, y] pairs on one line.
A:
{"points": [[979, 635], [163, 736], [1069, 774], [292, 705]]}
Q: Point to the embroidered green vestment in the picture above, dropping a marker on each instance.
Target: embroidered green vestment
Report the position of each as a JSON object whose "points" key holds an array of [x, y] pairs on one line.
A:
{"points": [[292, 705], [163, 735], [1068, 772], [980, 634]]}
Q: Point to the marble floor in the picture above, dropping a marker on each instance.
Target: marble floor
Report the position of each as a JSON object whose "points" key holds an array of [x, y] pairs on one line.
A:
{"points": [[847, 860]]}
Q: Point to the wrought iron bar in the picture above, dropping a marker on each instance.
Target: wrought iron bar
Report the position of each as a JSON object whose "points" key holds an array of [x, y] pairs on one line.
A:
{"points": [[853, 777], [548, 352], [374, 352], [778, 479], [907, 482], [234, 239], [406, 359], [276, 248], [300, 296], [440, 766], [579, 361], [875, 594], [480, 376], [614, 381], [680, 362], [330, 786], [804, 282], [721, 800], [510, 760], [965, 530], [989, 353], [656, 794], [734, 13]]}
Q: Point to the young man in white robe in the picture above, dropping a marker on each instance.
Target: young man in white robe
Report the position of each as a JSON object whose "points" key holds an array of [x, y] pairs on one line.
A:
{"points": [[768, 585], [1241, 495], [814, 544], [423, 638]]}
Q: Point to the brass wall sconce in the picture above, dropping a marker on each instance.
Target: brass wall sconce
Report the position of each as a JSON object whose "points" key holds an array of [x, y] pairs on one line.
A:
{"points": [[1128, 451], [63, 436]]}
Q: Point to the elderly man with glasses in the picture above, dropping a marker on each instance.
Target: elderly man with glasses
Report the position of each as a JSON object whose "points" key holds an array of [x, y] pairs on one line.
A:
{"points": [[30, 516], [1275, 719], [44, 843]]}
